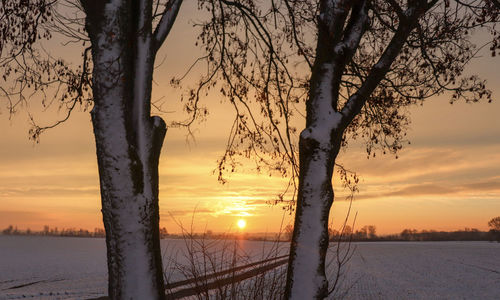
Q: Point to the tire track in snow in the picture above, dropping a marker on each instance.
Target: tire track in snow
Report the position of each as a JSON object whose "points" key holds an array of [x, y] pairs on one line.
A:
{"points": [[30, 283], [474, 266]]}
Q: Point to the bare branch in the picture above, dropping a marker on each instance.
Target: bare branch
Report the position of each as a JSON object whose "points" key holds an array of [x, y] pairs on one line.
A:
{"points": [[166, 22], [379, 70], [354, 31], [397, 8]]}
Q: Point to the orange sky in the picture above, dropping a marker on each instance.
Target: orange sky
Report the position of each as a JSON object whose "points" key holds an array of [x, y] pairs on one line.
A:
{"points": [[448, 178]]}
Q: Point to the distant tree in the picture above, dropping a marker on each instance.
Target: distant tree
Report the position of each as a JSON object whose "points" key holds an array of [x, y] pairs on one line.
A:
{"points": [[494, 223], [372, 232], [366, 232], [347, 231], [361, 234], [333, 233], [99, 232], [408, 234], [8, 230], [46, 230], [163, 232]]}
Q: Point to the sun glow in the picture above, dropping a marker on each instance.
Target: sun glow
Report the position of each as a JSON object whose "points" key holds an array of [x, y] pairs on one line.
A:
{"points": [[241, 224]]}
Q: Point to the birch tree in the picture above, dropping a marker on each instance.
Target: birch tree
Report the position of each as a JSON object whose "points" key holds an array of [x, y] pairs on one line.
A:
{"points": [[356, 65], [124, 37]]}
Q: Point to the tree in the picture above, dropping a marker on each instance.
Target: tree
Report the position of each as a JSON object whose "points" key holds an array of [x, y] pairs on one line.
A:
{"points": [[8, 230], [372, 232], [128, 139], [366, 232], [494, 224], [364, 63]]}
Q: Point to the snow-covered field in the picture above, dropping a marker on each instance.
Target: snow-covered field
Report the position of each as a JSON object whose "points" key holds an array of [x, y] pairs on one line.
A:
{"points": [[424, 270], [75, 268], [52, 267]]}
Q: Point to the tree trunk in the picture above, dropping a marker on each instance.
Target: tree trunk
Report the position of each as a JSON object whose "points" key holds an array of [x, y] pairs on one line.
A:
{"points": [[318, 147], [128, 143], [129, 194], [306, 269]]}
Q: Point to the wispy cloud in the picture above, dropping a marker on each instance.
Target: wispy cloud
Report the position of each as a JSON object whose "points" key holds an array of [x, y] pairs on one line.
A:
{"points": [[55, 191], [486, 189], [35, 217]]}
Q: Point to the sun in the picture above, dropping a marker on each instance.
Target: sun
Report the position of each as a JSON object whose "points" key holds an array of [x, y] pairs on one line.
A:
{"points": [[241, 224]]}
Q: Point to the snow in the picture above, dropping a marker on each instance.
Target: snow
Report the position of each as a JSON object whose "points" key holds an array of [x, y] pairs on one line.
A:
{"points": [[354, 35], [167, 21], [327, 118], [307, 255], [314, 200], [65, 268], [115, 162], [75, 268], [424, 270]]}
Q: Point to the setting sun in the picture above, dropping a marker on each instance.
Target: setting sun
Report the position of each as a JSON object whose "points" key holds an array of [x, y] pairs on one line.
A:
{"points": [[241, 224]]}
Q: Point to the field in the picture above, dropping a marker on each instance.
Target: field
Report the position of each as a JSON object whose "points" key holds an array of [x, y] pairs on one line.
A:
{"points": [[75, 268], [425, 270]]}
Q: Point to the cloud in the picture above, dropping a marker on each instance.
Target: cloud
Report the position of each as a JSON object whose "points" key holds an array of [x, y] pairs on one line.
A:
{"points": [[15, 217], [425, 162], [55, 191], [184, 212], [483, 188]]}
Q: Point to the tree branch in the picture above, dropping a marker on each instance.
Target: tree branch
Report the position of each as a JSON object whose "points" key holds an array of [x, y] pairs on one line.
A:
{"points": [[378, 71], [166, 22], [397, 8], [355, 29]]}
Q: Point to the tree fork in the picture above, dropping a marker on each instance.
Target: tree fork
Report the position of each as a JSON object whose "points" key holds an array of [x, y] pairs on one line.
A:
{"points": [[128, 144]]}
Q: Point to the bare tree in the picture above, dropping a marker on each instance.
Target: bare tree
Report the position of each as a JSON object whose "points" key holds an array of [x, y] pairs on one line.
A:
{"points": [[494, 224], [356, 65], [28, 70], [124, 39], [128, 139]]}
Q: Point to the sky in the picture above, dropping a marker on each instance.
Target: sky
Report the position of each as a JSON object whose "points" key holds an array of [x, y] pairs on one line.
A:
{"points": [[448, 178]]}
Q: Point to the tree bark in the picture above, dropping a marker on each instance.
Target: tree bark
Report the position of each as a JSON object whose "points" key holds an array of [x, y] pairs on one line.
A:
{"points": [[306, 269], [319, 145], [128, 144], [320, 142], [310, 242]]}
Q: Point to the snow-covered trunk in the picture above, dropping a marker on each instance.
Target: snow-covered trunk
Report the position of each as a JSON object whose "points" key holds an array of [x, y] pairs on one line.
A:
{"points": [[310, 241], [128, 143], [341, 25], [318, 146]]}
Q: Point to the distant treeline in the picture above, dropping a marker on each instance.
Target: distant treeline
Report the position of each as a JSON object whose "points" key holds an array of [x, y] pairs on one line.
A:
{"points": [[72, 232], [100, 233], [368, 233], [47, 231], [467, 234]]}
